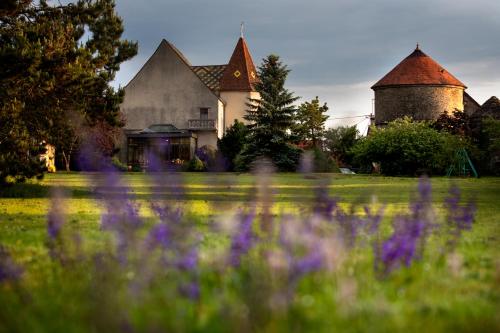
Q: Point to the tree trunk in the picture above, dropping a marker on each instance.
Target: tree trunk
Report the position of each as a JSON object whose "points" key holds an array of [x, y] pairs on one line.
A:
{"points": [[67, 160]]}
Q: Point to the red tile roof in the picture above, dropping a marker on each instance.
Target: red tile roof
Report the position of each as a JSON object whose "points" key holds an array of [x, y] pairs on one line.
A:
{"points": [[240, 73], [418, 69]]}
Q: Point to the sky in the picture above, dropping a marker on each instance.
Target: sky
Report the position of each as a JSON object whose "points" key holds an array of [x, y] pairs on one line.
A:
{"points": [[335, 49]]}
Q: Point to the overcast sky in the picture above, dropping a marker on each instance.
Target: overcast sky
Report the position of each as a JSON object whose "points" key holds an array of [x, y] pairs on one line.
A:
{"points": [[336, 49]]}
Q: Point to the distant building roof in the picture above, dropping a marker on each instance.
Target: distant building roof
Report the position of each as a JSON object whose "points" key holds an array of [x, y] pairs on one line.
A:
{"points": [[161, 128], [490, 108], [210, 75], [418, 69], [240, 73]]}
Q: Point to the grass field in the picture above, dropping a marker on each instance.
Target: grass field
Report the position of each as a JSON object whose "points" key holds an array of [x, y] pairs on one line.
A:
{"points": [[454, 290]]}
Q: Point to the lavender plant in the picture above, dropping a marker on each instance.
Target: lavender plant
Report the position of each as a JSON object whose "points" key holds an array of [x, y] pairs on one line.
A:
{"points": [[161, 261]]}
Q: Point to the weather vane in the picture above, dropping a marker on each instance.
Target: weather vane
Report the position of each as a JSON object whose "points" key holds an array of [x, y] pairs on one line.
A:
{"points": [[241, 28]]}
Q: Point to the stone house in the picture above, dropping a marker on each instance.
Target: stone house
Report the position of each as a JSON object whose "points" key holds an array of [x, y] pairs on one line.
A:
{"points": [[172, 107]]}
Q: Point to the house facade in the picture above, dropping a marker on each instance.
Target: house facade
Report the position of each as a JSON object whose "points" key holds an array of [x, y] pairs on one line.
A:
{"points": [[171, 107]]}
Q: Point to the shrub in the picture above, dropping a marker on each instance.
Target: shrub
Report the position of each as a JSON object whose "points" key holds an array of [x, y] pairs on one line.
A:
{"points": [[323, 162], [208, 156], [405, 147], [196, 165], [115, 162], [231, 144]]}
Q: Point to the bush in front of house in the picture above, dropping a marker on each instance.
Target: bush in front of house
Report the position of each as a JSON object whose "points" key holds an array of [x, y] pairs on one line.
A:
{"points": [[405, 147], [195, 165]]}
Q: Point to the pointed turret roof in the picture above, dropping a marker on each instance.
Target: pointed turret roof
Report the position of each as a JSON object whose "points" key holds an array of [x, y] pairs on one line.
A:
{"points": [[418, 69], [240, 73]]}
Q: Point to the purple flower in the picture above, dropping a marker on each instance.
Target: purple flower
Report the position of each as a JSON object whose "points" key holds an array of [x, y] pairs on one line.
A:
{"points": [[55, 222], [324, 204], [313, 261], [9, 270], [401, 248], [460, 217], [189, 261], [190, 290], [373, 219], [159, 236], [242, 240]]}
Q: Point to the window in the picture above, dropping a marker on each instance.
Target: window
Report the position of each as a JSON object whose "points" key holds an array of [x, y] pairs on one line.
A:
{"points": [[203, 113]]}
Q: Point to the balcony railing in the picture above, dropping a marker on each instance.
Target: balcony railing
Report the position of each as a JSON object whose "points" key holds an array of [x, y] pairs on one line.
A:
{"points": [[202, 124]]}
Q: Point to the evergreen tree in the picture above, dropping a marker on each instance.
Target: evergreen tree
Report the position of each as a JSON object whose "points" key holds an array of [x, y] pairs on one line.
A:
{"points": [[231, 144], [311, 121], [272, 119], [48, 71]]}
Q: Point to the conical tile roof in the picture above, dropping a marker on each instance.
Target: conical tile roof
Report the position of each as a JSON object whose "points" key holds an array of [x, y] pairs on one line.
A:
{"points": [[240, 73], [418, 69]]}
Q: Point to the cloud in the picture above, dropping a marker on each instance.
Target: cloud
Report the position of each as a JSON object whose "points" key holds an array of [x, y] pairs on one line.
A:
{"points": [[336, 49]]}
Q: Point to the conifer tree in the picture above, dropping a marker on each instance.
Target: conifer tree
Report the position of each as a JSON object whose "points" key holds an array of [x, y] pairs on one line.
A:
{"points": [[272, 119], [48, 71], [311, 121]]}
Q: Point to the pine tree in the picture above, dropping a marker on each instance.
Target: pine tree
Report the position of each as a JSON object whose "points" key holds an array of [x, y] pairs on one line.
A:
{"points": [[311, 121], [231, 144], [272, 119], [48, 71]]}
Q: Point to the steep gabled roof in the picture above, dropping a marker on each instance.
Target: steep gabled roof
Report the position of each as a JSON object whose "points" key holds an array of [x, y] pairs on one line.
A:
{"points": [[418, 69], [210, 75], [490, 108], [240, 73], [165, 45]]}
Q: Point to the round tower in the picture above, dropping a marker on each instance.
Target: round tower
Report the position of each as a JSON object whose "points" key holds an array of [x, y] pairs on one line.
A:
{"points": [[417, 87]]}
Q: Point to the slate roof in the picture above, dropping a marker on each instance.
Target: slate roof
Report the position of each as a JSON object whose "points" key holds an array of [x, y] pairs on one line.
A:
{"points": [[418, 69], [240, 74], [210, 75]]}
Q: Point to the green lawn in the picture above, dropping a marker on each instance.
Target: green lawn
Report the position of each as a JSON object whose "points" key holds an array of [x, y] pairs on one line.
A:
{"points": [[456, 291]]}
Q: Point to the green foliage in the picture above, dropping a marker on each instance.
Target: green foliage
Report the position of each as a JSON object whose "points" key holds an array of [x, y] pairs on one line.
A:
{"points": [[118, 165], [490, 131], [311, 121], [49, 76], [457, 123], [339, 141], [405, 147], [272, 119], [196, 165], [231, 144], [323, 162]]}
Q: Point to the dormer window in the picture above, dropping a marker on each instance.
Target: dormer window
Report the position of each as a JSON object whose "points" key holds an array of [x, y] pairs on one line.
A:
{"points": [[203, 113]]}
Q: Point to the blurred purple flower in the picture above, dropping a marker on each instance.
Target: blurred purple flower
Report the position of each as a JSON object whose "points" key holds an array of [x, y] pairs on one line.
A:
{"points": [[324, 205], [158, 236], [408, 239], [9, 270], [400, 248], [242, 239], [311, 262], [55, 221], [190, 290], [189, 261], [460, 217]]}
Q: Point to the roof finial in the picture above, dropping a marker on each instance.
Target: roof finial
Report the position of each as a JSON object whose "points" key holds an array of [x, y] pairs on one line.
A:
{"points": [[418, 47], [241, 28]]}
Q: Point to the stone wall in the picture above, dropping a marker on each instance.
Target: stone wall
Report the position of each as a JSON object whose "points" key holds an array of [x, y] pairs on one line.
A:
{"points": [[419, 102]]}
